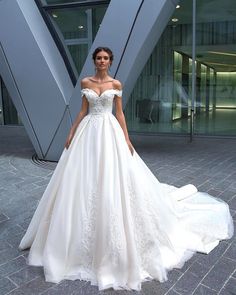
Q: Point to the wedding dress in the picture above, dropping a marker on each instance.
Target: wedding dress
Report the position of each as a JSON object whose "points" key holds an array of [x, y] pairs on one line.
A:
{"points": [[105, 218]]}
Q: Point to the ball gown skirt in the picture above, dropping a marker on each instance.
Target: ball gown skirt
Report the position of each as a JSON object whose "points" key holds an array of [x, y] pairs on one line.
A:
{"points": [[105, 218]]}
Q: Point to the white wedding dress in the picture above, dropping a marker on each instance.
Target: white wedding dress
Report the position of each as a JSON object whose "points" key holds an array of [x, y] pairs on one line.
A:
{"points": [[105, 218]]}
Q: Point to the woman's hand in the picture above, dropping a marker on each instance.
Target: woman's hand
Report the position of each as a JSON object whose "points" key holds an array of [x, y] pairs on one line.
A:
{"points": [[131, 148], [68, 141], [79, 118]]}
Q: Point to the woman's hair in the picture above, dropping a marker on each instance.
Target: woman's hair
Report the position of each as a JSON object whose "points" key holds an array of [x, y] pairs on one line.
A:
{"points": [[106, 49]]}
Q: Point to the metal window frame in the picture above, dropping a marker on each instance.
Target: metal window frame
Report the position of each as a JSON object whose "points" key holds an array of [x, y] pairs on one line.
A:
{"points": [[192, 122], [74, 4]]}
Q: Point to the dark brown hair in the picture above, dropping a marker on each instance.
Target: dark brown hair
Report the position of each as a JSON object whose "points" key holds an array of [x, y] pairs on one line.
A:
{"points": [[106, 49]]}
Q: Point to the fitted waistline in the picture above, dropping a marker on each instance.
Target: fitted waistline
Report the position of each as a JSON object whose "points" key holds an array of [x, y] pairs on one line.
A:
{"points": [[99, 113]]}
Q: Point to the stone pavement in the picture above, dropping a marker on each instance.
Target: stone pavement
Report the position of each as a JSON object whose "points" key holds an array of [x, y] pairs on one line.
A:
{"points": [[208, 163]]}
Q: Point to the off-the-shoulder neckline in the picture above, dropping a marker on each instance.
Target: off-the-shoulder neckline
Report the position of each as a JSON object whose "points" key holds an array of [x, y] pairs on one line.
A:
{"points": [[100, 82], [102, 92]]}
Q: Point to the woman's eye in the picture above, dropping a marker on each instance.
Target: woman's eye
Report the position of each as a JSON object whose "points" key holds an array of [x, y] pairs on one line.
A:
{"points": [[100, 57]]}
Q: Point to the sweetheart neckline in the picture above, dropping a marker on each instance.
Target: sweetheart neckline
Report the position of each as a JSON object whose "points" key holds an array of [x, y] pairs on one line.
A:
{"points": [[101, 92]]}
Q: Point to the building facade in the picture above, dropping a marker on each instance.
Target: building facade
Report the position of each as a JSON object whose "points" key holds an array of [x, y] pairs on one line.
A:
{"points": [[176, 60]]}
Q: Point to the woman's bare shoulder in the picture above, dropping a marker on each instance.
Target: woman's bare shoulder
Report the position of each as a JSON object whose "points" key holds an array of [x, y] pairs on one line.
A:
{"points": [[117, 84], [85, 82]]}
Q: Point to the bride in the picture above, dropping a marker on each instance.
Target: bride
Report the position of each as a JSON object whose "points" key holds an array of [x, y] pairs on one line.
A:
{"points": [[104, 217]]}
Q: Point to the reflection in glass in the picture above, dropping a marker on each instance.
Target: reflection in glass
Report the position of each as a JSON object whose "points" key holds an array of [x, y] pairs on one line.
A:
{"points": [[178, 91], [215, 49], [79, 53], [8, 112], [62, 1], [78, 28], [1, 105], [161, 98]]}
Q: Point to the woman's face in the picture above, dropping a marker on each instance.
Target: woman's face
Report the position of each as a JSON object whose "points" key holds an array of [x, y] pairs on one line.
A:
{"points": [[102, 60]]}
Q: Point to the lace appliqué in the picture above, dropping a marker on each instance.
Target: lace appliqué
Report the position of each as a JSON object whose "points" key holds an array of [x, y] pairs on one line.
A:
{"points": [[95, 118], [100, 104], [146, 232], [89, 227], [116, 247]]}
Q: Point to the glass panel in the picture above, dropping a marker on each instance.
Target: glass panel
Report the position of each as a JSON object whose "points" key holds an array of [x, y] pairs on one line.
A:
{"points": [[8, 112], [176, 106], [216, 77], [161, 98], [1, 105], [61, 1], [79, 27], [79, 54]]}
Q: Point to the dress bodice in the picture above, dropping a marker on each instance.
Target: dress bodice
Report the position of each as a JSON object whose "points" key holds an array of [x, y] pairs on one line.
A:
{"points": [[100, 103]]}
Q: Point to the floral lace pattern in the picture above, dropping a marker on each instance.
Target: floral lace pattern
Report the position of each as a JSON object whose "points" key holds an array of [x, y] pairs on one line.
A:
{"points": [[99, 104], [143, 237], [147, 232], [89, 227], [116, 247]]}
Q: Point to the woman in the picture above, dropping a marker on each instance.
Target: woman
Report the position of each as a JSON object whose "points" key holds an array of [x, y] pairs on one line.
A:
{"points": [[104, 217]]}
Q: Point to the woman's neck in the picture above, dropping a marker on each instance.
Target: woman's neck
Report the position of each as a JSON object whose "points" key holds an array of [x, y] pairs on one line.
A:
{"points": [[101, 76]]}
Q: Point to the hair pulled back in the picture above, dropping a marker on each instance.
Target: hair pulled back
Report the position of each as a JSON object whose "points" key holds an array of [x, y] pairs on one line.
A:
{"points": [[106, 49]]}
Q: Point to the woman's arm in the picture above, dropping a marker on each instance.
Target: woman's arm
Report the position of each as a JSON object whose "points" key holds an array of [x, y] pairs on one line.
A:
{"points": [[83, 112], [121, 119]]}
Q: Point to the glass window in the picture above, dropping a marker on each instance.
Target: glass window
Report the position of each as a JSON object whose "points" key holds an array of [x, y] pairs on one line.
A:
{"points": [[1, 104], [177, 91], [8, 112], [78, 28], [216, 77], [61, 1], [161, 99]]}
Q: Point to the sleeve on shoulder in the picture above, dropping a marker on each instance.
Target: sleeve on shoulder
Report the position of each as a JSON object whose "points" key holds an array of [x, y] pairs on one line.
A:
{"points": [[118, 93], [83, 92]]}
